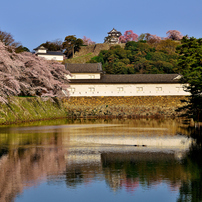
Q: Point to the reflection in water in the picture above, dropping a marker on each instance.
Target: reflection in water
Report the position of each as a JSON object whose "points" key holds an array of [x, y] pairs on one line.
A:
{"points": [[142, 169], [126, 154], [26, 166], [191, 190]]}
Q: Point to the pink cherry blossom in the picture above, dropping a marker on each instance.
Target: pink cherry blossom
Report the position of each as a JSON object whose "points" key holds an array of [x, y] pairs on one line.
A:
{"points": [[87, 41], [129, 35], [27, 74], [174, 35]]}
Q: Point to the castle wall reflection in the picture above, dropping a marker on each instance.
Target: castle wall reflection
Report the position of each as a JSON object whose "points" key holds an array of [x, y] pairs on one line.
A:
{"points": [[125, 154]]}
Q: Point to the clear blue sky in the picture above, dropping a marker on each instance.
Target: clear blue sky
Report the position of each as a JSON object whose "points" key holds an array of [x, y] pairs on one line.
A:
{"points": [[33, 22]]}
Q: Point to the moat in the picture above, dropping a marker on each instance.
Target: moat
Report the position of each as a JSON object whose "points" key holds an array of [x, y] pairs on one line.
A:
{"points": [[100, 160]]}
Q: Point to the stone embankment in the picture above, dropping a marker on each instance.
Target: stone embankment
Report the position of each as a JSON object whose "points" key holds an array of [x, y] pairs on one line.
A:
{"points": [[129, 107], [95, 49], [23, 109]]}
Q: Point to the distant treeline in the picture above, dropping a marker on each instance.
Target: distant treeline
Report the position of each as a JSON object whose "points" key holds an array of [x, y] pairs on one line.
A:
{"points": [[140, 57]]}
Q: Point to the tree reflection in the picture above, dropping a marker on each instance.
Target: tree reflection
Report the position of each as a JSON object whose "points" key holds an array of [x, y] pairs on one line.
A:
{"points": [[74, 178], [27, 159], [191, 190], [129, 170], [27, 166]]}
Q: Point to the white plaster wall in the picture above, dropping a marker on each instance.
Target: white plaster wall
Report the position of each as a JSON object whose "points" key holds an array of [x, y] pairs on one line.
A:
{"points": [[52, 57], [41, 51], [84, 76], [77, 90]]}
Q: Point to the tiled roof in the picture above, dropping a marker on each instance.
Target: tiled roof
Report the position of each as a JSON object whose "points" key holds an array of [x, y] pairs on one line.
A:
{"points": [[51, 53], [84, 68], [114, 31], [131, 78], [41, 48]]}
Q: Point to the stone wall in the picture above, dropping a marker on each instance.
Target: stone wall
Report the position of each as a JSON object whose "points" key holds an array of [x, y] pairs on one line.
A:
{"points": [[131, 107], [24, 109], [95, 49], [87, 52]]}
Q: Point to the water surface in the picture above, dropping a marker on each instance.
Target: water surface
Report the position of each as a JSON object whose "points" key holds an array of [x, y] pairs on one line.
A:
{"points": [[99, 160]]}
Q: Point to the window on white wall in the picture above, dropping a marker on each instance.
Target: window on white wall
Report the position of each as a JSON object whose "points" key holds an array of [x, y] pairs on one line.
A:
{"points": [[72, 90], [119, 89], [158, 88], [179, 89], [91, 89], [139, 88], [91, 76]]}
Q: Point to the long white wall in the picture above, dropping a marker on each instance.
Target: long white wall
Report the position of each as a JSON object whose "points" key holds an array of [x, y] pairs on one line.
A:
{"points": [[77, 90], [84, 76], [52, 57], [40, 51]]}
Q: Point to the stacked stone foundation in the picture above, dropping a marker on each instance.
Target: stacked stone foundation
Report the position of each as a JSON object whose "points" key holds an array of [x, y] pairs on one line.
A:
{"points": [[129, 107]]}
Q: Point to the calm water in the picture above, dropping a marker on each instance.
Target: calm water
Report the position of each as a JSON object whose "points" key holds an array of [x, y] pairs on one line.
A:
{"points": [[99, 160]]}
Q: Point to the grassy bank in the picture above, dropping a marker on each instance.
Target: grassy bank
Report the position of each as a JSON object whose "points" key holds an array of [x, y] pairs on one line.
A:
{"points": [[23, 109], [87, 52]]}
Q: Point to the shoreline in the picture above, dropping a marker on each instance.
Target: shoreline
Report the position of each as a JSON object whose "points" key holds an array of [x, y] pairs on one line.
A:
{"points": [[31, 109], [90, 117]]}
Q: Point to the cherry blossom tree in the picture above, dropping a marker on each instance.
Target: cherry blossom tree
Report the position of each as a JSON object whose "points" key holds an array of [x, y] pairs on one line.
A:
{"points": [[152, 38], [87, 41], [174, 35], [29, 75], [129, 35]]}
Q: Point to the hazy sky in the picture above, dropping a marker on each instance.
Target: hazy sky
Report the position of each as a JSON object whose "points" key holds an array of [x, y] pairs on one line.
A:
{"points": [[33, 22]]}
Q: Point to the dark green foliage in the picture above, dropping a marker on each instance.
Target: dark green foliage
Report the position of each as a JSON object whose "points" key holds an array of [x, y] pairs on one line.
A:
{"points": [[137, 57], [53, 45], [21, 48], [71, 44], [190, 66]]}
